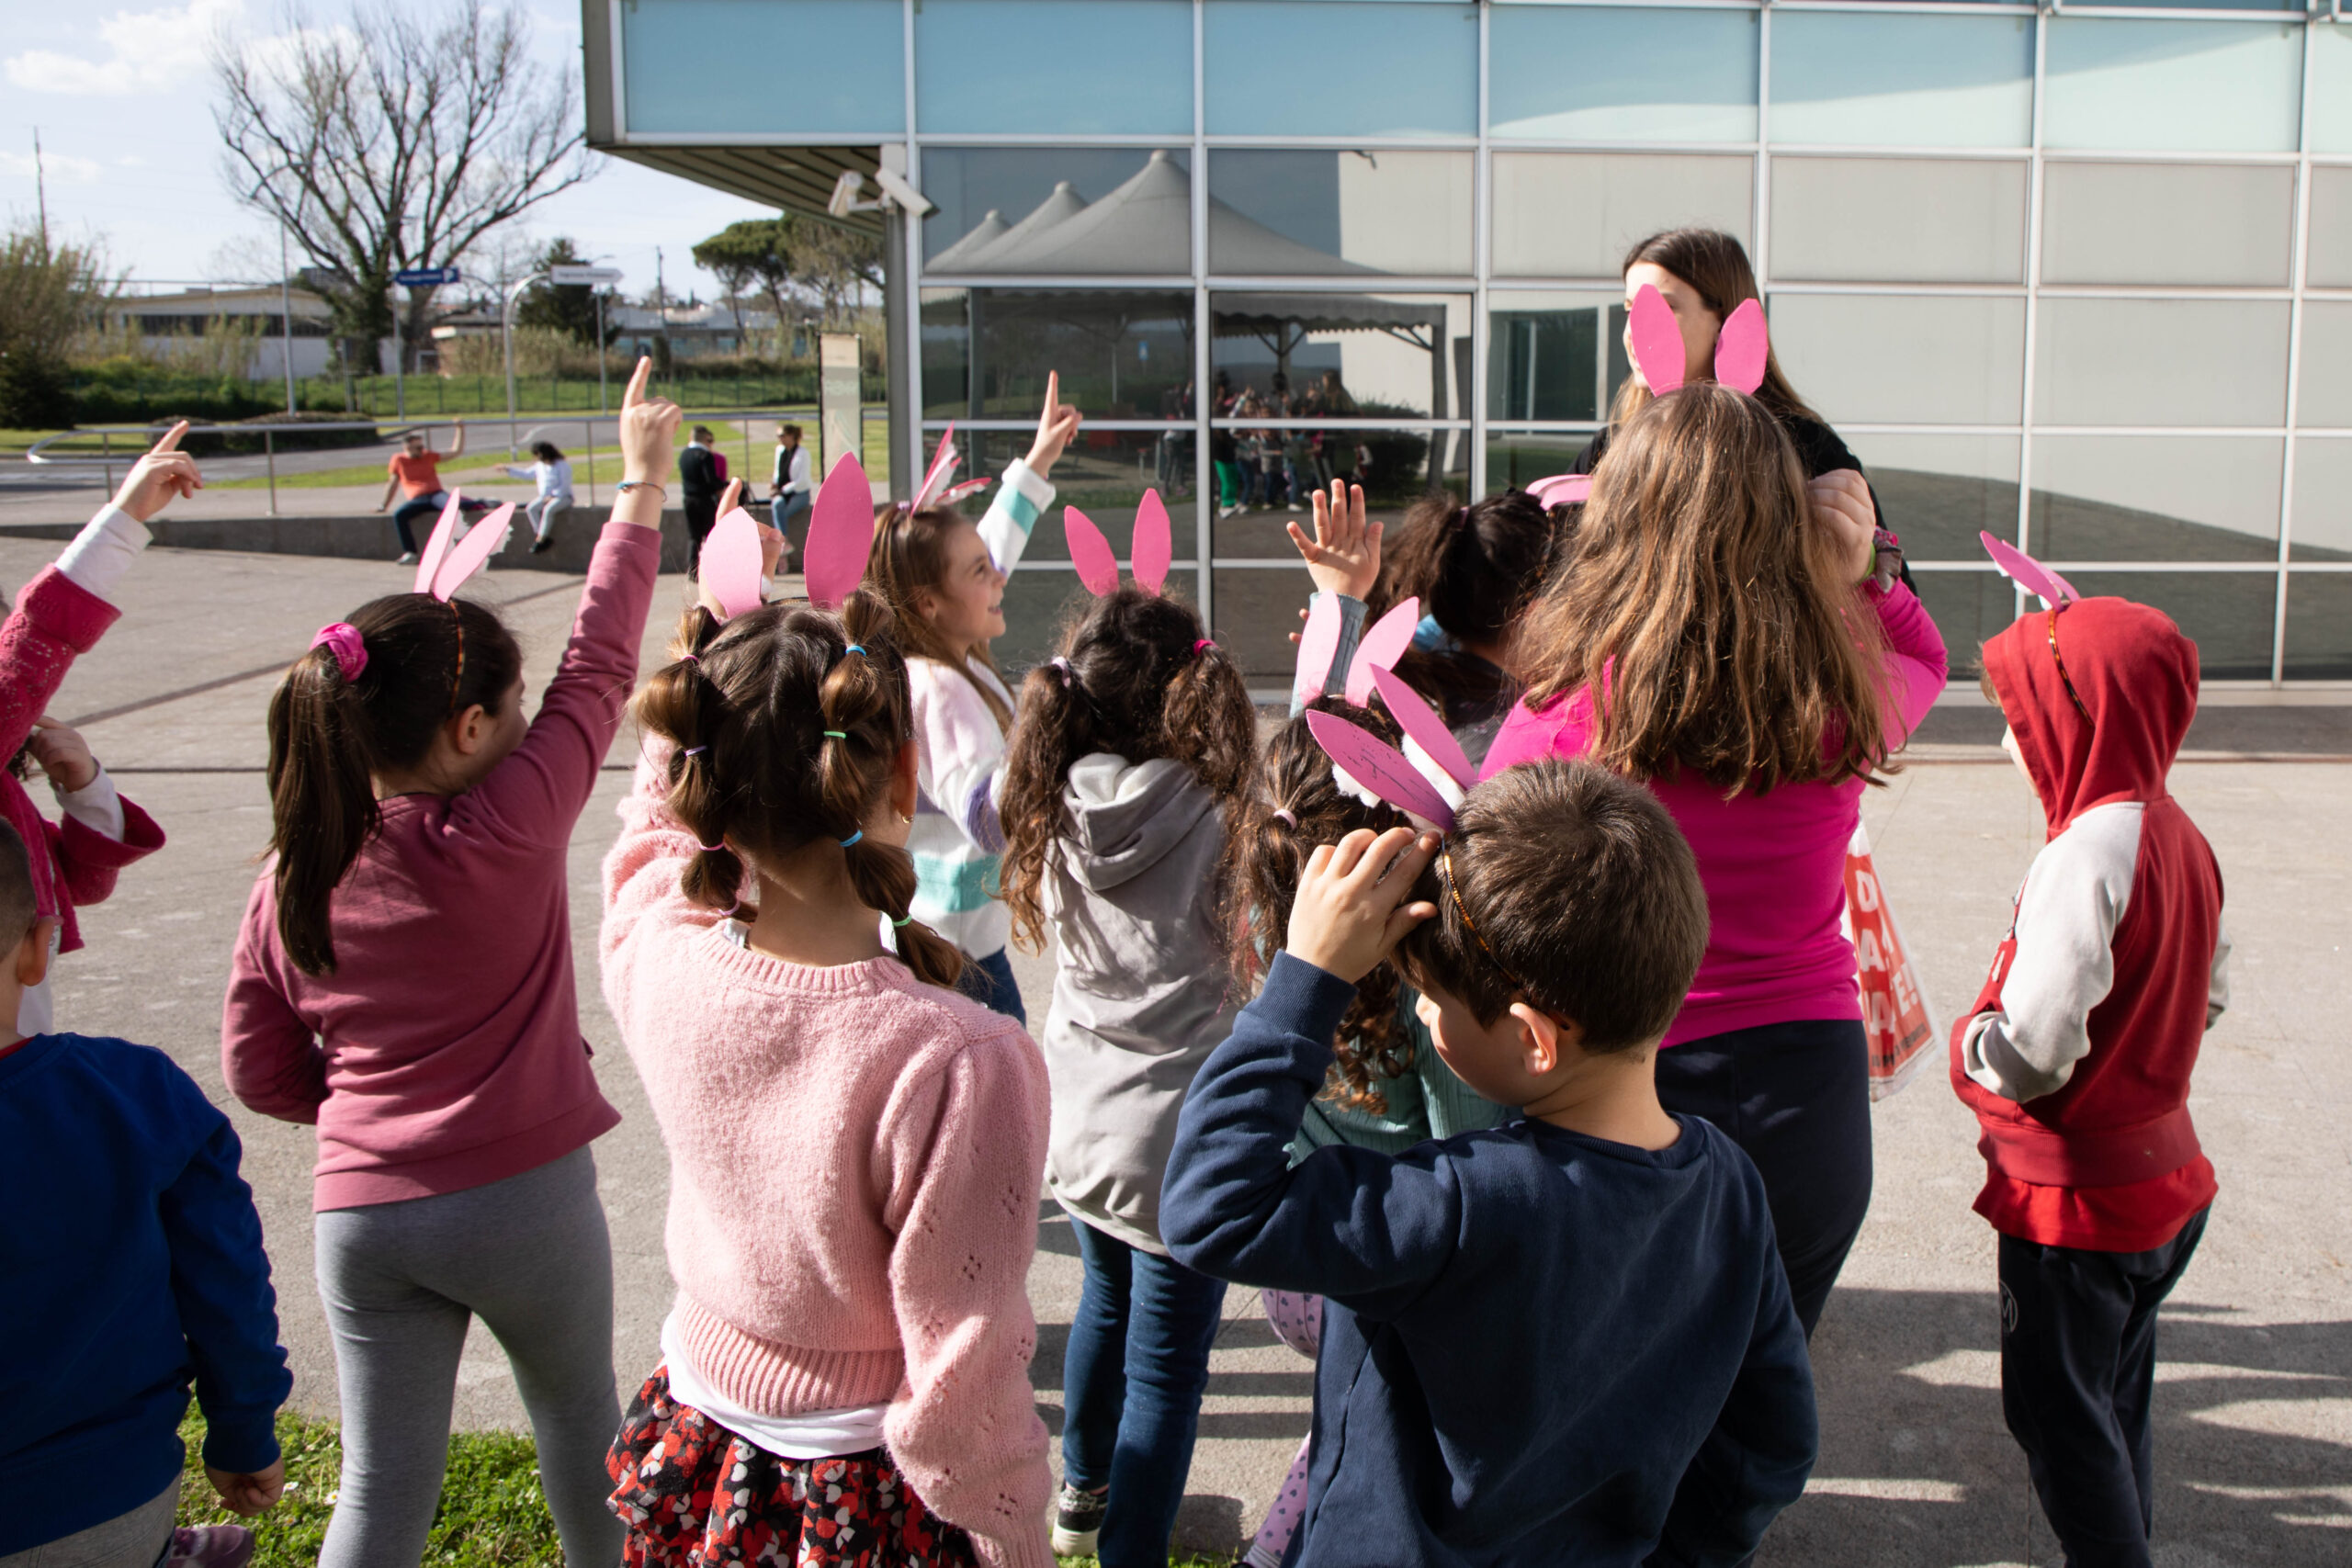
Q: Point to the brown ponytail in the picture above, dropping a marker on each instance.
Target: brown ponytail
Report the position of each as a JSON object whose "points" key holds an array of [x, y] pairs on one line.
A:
{"points": [[785, 724], [1297, 806], [1137, 677], [331, 735]]}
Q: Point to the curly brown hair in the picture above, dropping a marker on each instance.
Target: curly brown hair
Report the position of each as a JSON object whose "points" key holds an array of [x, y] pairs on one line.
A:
{"points": [[785, 724], [1136, 676], [1265, 854]]}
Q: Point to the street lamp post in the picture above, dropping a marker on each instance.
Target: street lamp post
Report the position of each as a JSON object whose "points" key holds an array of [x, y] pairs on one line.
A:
{"points": [[506, 331]]}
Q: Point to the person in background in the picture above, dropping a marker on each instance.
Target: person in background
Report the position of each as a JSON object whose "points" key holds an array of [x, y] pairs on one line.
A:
{"points": [[135, 1267], [2077, 1055], [702, 474], [59, 616], [416, 471], [1563, 1340], [1736, 642], [792, 490], [552, 471]]}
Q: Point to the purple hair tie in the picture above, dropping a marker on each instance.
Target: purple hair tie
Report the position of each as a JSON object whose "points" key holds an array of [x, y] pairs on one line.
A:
{"points": [[1284, 813], [1062, 664], [690, 659], [717, 849], [344, 644], [694, 751]]}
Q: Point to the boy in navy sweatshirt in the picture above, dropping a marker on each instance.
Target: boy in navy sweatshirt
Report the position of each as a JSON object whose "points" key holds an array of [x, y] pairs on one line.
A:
{"points": [[1567, 1340], [134, 1264]]}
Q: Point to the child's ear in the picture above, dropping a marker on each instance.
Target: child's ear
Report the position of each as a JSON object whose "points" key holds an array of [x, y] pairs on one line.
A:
{"points": [[32, 952], [1539, 1039]]}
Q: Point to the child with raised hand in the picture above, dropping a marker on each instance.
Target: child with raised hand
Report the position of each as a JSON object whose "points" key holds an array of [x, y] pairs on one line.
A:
{"points": [[1130, 757], [1567, 1340], [134, 1263], [943, 579], [403, 979], [854, 1147], [59, 615], [2077, 1055]]}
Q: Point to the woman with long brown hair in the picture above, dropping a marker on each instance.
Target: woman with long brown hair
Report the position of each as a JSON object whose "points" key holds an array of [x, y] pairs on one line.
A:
{"points": [[1717, 635]]}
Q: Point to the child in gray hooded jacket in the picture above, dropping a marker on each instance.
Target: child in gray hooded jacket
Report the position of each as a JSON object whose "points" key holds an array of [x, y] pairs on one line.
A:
{"points": [[1130, 750]]}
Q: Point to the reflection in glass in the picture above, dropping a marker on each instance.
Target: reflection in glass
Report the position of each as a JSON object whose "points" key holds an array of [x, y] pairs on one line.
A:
{"points": [[2156, 498], [2126, 85], [1122, 354], [2184, 224], [1517, 459], [2323, 500], [1323, 68], [1072, 67], [1904, 359], [1266, 476], [1103, 474], [1898, 219], [1334, 211], [1576, 214], [1640, 73], [2328, 263], [1359, 355], [1850, 79], [2194, 362], [2229, 615], [675, 79], [2324, 395], [1256, 610], [1940, 491], [2319, 625], [1548, 356], [1968, 607], [1038, 602], [2331, 122], [1097, 211]]}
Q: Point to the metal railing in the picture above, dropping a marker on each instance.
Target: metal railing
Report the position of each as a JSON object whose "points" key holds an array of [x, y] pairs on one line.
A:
{"points": [[392, 431]]}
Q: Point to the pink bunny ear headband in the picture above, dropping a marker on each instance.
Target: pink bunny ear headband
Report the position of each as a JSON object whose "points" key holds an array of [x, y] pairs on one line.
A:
{"points": [[1380, 648], [444, 568], [1148, 556], [2055, 594], [1426, 781]]}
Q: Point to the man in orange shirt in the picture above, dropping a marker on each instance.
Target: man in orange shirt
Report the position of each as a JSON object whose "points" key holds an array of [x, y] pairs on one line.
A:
{"points": [[416, 471]]}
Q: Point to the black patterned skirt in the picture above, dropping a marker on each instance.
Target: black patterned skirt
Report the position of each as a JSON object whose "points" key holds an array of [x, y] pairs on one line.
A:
{"points": [[695, 1496]]}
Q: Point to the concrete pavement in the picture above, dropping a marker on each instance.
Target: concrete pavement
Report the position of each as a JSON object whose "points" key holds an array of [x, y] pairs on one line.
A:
{"points": [[2255, 1399]]}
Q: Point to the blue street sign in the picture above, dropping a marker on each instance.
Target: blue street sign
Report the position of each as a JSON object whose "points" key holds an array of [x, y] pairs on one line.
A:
{"points": [[425, 276]]}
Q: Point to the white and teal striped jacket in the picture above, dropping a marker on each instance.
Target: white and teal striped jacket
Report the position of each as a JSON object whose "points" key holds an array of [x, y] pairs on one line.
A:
{"points": [[956, 841]]}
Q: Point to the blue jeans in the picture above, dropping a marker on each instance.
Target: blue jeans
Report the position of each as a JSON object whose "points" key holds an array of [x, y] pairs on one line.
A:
{"points": [[988, 981], [786, 508], [1132, 1381]]}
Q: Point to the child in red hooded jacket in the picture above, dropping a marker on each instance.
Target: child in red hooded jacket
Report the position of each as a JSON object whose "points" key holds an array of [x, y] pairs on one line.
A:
{"points": [[2077, 1056]]}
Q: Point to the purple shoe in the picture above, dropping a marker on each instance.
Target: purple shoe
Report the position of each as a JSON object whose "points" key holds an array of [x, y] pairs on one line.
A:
{"points": [[209, 1546]]}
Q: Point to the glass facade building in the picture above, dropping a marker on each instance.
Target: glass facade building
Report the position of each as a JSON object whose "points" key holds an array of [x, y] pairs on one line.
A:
{"points": [[2078, 276]]}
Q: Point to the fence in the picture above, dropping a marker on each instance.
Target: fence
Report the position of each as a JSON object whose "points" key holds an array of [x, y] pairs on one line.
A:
{"points": [[118, 393]]}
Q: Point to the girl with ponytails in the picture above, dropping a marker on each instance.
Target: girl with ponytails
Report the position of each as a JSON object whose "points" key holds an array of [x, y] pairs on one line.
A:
{"points": [[403, 980], [943, 576], [1131, 754], [854, 1147]]}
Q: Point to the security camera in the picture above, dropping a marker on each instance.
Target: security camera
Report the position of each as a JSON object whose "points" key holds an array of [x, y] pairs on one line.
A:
{"points": [[846, 190], [895, 187]]}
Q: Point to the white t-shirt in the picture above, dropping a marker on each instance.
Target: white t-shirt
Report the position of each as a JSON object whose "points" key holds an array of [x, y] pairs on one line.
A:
{"points": [[815, 1434]]}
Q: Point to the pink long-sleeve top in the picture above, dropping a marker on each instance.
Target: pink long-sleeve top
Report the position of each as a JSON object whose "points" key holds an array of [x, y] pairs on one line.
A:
{"points": [[444, 1051], [854, 1167], [1773, 863]]}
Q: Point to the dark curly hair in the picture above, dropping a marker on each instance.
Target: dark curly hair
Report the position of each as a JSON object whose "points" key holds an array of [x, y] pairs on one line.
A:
{"points": [[1265, 856], [1142, 681]]}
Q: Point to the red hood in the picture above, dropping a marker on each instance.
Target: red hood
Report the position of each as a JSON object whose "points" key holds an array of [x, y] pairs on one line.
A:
{"points": [[2134, 672]]}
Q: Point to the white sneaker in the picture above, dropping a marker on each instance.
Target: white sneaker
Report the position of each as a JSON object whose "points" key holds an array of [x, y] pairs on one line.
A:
{"points": [[1078, 1521], [408, 558]]}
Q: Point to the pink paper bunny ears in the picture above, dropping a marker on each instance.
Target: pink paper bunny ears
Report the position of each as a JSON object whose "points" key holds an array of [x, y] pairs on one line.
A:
{"points": [[1379, 648], [936, 489], [1561, 490], [841, 536], [2028, 573], [445, 565], [1741, 347], [1148, 556], [1426, 781]]}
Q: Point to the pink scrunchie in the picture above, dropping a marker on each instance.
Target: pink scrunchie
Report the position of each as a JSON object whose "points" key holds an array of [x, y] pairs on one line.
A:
{"points": [[343, 640]]}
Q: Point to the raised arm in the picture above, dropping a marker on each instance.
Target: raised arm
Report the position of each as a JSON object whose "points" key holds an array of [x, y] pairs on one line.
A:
{"points": [[1917, 665], [1025, 492], [458, 446], [537, 792], [1342, 558]]}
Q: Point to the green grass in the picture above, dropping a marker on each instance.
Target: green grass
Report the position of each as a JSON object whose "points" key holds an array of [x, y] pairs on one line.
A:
{"points": [[491, 1515]]}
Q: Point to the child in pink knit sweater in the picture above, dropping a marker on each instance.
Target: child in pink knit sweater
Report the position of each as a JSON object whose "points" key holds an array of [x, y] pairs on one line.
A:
{"points": [[854, 1147]]}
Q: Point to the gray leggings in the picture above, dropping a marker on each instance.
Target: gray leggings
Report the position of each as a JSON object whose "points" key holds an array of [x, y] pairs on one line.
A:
{"points": [[530, 1254]]}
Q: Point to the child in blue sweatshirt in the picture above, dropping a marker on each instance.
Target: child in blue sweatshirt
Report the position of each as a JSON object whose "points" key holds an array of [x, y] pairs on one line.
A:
{"points": [[1567, 1340], [134, 1263]]}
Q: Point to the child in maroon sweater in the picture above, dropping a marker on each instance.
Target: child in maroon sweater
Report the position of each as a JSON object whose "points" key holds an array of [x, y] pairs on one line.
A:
{"points": [[2077, 1056]]}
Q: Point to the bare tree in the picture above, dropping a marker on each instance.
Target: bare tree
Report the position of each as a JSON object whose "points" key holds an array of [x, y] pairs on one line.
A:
{"points": [[401, 140]]}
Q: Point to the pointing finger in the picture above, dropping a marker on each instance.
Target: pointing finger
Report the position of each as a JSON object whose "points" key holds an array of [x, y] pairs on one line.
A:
{"points": [[635, 392], [171, 441]]}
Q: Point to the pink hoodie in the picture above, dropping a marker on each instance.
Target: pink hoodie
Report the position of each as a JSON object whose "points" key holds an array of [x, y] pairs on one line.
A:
{"points": [[1774, 865], [444, 1052]]}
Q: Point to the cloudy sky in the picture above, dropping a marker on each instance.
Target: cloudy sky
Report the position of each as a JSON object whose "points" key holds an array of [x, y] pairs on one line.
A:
{"points": [[123, 99]]}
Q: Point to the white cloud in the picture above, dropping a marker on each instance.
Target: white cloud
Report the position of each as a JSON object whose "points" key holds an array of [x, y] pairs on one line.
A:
{"points": [[58, 165], [146, 52]]}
